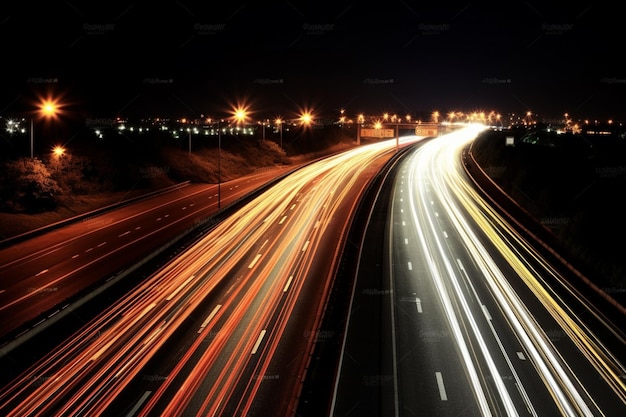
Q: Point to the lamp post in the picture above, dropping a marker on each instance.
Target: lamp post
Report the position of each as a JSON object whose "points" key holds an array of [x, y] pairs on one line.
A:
{"points": [[279, 122], [47, 108], [342, 120], [219, 162], [58, 152], [32, 136], [239, 115]]}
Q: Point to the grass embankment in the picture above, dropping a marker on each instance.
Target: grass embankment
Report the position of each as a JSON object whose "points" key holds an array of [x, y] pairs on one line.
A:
{"points": [[97, 177]]}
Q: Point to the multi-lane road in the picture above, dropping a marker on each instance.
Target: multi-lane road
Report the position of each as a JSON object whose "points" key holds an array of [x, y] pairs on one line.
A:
{"points": [[451, 311], [469, 318], [40, 276], [225, 328]]}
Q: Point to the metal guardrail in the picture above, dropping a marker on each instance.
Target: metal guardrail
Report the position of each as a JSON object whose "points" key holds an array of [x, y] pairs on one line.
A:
{"points": [[44, 229]]}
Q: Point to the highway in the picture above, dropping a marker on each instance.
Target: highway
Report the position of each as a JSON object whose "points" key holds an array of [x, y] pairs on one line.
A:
{"points": [[226, 327], [41, 276], [455, 313]]}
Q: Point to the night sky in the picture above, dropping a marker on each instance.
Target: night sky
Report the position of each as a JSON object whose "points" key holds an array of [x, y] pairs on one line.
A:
{"points": [[184, 59]]}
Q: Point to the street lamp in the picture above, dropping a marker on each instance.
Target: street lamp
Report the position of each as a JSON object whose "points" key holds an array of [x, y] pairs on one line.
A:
{"points": [[219, 163], [47, 108], [306, 118], [361, 120], [279, 122], [58, 152], [239, 115]]}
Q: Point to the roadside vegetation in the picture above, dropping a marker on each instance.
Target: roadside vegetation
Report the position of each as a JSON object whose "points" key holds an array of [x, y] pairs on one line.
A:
{"points": [[93, 173], [573, 184]]}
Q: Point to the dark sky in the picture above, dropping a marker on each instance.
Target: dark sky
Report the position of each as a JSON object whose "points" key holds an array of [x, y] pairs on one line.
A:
{"points": [[185, 59]]}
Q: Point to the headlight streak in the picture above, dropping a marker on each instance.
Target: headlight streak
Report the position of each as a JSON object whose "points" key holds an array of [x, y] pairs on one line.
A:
{"points": [[434, 250], [569, 394], [101, 360], [151, 288], [597, 354], [602, 359], [499, 287], [315, 219]]}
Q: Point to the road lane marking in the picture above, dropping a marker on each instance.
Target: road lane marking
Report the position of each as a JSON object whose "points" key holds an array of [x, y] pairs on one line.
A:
{"points": [[288, 284], [521, 356], [467, 280], [75, 256], [406, 241], [282, 220], [441, 386], [306, 245], [445, 234], [410, 266], [124, 234], [209, 318], [101, 244], [41, 272], [486, 312], [258, 341], [254, 261], [139, 403], [418, 302]]}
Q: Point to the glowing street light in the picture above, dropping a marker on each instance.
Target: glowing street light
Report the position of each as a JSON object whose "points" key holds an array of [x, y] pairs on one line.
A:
{"points": [[306, 118], [219, 163], [280, 122], [47, 108], [58, 151], [240, 114]]}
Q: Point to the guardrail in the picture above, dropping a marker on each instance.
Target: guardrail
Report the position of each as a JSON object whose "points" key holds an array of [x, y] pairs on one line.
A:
{"points": [[530, 227], [44, 229]]}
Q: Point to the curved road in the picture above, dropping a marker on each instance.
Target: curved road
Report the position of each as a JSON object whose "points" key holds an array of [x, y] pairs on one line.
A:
{"points": [[227, 327], [40, 276], [465, 317]]}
